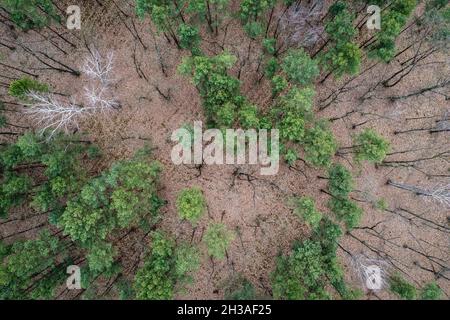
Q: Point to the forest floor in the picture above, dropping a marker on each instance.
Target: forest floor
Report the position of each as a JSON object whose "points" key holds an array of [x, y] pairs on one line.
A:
{"points": [[255, 206]]}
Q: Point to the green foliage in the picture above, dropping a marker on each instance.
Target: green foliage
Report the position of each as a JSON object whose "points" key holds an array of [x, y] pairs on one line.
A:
{"points": [[119, 198], [340, 29], [187, 260], [320, 145], [279, 83], [301, 274], [217, 239], [328, 235], [240, 288], [269, 45], [299, 67], [154, 280], [19, 88], [299, 101], [292, 127], [340, 182], [165, 266], [391, 26], [346, 210], [311, 267], [168, 18], [291, 156], [343, 55], [189, 38], [191, 204], [292, 115], [431, 291], [336, 8], [14, 191], [216, 87], [343, 58], [212, 11], [101, 257], [57, 160], [30, 14], [252, 9], [125, 289], [305, 208], [226, 115], [271, 68], [248, 117], [436, 4], [253, 29], [402, 288], [24, 262], [370, 146]]}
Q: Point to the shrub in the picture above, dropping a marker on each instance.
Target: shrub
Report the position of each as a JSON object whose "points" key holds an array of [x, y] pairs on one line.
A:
{"points": [[402, 288], [217, 239], [240, 289], [301, 274], [305, 208], [291, 156], [191, 204], [21, 87], [340, 182], [154, 280], [320, 146], [187, 259], [346, 210], [370, 146], [299, 67], [431, 291]]}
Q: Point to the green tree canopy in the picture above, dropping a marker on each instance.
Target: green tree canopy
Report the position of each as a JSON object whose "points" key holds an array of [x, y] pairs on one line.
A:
{"points": [[253, 9], [154, 280], [58, 160], [191, 204], [431, 291], [217, 239], [346, 210], [301, 274], [189, 38], [392, 22], [343, 55], [119, 198], [402, 288], [30, 14], [305, 208], [216, 87], [299, 67], [340, 182], [320, 145], [31, 264], [166, 265], [370, 146], [19, 88]]}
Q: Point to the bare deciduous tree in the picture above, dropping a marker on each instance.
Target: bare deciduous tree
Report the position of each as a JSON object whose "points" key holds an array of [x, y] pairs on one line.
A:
{"points": [[99, 67], [439, 193], [100, 98], [50, 113], [372, 272]]}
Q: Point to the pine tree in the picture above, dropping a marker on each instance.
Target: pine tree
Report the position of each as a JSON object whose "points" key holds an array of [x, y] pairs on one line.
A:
{"points": [[191, 205], [299, 67], [31, 14], [217, 239]]}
